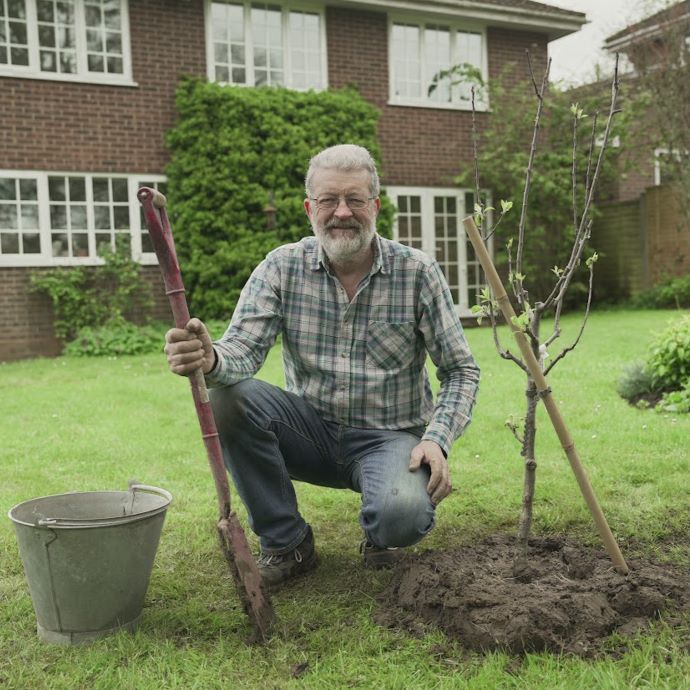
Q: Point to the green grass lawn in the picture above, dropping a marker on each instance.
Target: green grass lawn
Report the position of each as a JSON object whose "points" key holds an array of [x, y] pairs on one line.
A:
{"points": [[80, 425]]}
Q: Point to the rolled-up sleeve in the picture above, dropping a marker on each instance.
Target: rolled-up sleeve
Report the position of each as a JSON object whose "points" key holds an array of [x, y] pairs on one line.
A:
{"points": [[456, 369], [256, 322]]}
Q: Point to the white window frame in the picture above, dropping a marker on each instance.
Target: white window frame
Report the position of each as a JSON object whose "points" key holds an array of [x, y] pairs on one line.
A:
{"points": [[286, 7], [33, 71], [481, 102], [45, 258], [658, 152], [427, 194]]}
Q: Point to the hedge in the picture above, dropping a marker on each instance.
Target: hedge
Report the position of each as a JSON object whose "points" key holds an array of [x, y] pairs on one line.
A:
{"points": [[232, 150]]}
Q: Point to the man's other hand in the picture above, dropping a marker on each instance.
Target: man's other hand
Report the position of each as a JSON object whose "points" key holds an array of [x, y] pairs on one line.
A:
{"points": [[430, 453], [189, 348]]}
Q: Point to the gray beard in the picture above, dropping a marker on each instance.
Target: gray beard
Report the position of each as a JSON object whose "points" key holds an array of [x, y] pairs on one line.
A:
{"points": [[344, 249]]}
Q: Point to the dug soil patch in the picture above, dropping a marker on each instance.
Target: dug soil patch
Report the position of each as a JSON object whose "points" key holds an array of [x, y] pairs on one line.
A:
{"points": [[567, 599]]}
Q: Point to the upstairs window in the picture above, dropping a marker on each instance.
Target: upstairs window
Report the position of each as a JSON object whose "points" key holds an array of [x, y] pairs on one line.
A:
{"points": [[260, 44], [73, 40], [419, 52]]}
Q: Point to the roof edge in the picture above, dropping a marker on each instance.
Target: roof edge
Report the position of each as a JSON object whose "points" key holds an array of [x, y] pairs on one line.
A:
{"points": [[555, 24]]}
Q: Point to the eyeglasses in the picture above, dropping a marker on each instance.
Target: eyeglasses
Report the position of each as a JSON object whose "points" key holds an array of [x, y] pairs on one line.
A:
{"points": [[330, 202]]}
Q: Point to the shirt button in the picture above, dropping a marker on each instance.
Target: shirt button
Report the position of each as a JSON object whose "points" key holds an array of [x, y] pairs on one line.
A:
{"points": [[344, 354]]}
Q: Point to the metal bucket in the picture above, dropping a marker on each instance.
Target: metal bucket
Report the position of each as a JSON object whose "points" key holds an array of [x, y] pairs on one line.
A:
{"points": [[88, 559]]}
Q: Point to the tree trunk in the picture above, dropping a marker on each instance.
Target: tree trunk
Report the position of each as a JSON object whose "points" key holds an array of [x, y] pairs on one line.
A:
{"points": [[520, 565], [529, 435]]}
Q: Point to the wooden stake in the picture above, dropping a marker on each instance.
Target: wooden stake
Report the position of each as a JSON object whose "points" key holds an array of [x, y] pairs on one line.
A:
{"points": [[545, 393]]}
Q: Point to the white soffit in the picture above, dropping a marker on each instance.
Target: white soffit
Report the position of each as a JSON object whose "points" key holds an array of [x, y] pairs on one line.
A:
{"points": [[549, 21]]}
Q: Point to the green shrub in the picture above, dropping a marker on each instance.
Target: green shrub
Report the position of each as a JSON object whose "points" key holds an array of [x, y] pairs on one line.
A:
{"points": [[114, 338], [669, 362], [234, 149], [90, 296], [676, 401], [636, 382], [668, 294]]}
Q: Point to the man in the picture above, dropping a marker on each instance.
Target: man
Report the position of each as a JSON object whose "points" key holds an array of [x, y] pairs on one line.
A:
{"points": [[358, 314]]}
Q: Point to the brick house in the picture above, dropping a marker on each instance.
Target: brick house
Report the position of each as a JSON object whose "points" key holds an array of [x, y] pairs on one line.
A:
{"points": [[643, 235], [87, 94]]}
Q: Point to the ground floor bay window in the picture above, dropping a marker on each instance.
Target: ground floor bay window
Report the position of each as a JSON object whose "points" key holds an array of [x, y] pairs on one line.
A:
{"points": [[430, 219], [58, 219]]}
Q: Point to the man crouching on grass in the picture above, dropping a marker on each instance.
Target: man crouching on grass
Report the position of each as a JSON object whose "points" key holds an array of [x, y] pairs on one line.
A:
{"points": [[358, 314]]}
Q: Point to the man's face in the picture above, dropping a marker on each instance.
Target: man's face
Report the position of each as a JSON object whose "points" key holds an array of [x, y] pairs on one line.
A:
{"points": [[343, 232]]}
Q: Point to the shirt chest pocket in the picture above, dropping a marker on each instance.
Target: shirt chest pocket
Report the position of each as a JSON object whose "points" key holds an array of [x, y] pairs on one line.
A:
{"points": [[391, 345]]}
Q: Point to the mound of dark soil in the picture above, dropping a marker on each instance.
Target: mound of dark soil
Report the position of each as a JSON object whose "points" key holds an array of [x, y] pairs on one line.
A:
{"points": [[567, 598]]}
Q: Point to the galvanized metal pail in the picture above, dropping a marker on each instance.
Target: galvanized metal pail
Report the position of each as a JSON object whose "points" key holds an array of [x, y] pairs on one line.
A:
{"points": [[88, 559]]}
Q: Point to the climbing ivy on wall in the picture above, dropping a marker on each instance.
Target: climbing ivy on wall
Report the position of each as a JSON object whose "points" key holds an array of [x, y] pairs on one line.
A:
{"points": [[233, 150]]}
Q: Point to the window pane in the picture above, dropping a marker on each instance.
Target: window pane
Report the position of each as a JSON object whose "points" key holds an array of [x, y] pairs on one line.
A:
{"points": [[406, 61], [77, 189], [46, 36], [121, 218], [113, 43], [60, 244], [120, 189], [19, 56], [68, 63], [45, 11], [32, 243], [80, 244], [437, 56], [8, 217], [102, 217], [95, 63], [268, 43], [16, 9], [78, 217], [56, 188], [18, 33], [29, 217], [48, 61], [7, 188], [9, 243], [103, 242], [58, 217], [100, 189], [27, 190], [115, 65], [94, 40]]}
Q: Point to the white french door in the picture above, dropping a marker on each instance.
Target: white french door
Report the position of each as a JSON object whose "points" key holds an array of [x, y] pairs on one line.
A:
{"points": [[430, 219]]}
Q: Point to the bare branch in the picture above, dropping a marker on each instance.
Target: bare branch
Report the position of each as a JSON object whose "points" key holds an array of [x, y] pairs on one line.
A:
{"points": [[590, 153], [585, 225], [574, 171], [506, 354], [520, 295], [565, 350]]}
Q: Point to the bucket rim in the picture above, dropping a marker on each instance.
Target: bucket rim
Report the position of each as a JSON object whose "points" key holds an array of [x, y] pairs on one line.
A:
{"points": [[88, 523]]}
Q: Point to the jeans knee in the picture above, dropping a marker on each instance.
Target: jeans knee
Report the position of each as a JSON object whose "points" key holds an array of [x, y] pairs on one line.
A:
{"points": [[232, 404], [401, 519]]}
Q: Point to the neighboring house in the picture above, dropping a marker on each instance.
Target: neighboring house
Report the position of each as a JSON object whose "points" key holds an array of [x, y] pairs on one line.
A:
{"points": [[644, 236], [87, 95]]}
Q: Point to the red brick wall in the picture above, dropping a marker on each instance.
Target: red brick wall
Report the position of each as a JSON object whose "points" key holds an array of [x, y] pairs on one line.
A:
{"points": [[94, 128], [667, 232], [28, 316], [419, 146]]}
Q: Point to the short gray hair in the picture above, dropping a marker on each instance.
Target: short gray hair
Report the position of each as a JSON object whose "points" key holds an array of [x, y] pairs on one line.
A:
{"points": [[344, 157]]}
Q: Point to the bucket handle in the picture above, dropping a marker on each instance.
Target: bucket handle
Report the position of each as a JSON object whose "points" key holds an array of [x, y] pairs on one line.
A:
{"points": [[111, 521]]}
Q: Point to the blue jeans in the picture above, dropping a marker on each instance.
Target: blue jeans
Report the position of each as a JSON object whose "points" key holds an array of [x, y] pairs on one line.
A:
{"points": [[271, 437]]}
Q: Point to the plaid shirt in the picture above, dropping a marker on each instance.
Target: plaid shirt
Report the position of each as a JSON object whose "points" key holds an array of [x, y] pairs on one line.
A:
{"points": [[359, 363]]}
